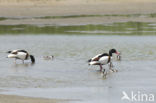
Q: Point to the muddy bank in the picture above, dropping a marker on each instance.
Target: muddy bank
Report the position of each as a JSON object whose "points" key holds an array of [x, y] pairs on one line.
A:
{"points": [[22, 99], [33, 8], [60, 9]]}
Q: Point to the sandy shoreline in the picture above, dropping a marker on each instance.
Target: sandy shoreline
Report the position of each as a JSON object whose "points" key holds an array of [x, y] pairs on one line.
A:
{"points": [[22, 99], [74, 7], [97, 8]]}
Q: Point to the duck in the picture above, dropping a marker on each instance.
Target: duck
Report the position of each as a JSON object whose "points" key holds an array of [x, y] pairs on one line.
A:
{"points": [[51, 57], [103, 59], [20, 54]]}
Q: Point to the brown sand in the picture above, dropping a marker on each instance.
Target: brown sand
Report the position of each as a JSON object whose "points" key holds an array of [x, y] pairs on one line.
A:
{"points": [[21, 99], [41, 8], [111, 7]]}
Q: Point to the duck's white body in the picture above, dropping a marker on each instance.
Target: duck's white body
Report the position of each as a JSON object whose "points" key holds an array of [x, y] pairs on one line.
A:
{"points": [[19, 55], [102, 61]]}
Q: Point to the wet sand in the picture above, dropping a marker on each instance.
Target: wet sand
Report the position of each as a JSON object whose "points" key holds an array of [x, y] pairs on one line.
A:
{"points": [[22, 99], [30, 9]]}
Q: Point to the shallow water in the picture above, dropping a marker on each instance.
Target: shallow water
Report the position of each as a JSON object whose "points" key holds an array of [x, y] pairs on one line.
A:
{"points": [[68, 76]]}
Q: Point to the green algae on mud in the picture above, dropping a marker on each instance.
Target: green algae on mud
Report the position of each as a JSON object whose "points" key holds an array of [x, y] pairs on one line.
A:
{"points": [[152, 15], [122, 28], [3, 18]]}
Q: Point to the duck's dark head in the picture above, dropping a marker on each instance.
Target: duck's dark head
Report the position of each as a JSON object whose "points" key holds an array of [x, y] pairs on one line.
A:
{"points": [[32, 58], [113, 51]]}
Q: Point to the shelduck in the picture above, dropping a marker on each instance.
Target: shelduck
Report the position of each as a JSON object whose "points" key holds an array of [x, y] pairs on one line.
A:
{"points": [[103, 59], [20, 54]]}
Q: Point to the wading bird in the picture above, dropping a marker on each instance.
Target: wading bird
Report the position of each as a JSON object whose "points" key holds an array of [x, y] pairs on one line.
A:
{"points": [[103, 59], [20, 54]]}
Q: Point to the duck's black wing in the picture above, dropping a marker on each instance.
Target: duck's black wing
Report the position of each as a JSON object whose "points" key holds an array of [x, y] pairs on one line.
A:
{"points": [[22, 51]]}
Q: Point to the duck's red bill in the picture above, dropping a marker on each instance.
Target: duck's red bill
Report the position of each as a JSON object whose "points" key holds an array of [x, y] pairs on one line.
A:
{"points": [[117, 53]]}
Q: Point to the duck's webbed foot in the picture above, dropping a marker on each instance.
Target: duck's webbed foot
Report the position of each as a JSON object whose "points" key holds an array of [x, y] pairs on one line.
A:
{"points": [[104, 74], [113, 70]]}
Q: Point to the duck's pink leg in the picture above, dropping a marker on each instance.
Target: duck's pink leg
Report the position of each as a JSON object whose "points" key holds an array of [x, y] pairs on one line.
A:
{"points": [[101, 68]]}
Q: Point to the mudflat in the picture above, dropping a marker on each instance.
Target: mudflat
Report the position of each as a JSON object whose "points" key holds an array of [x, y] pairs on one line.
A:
{"points": [[22, 99], [43, 8]]}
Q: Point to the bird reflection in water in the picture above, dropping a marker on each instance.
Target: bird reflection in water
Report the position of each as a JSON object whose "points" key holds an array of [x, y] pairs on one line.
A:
{"points": [[22, 67]]}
